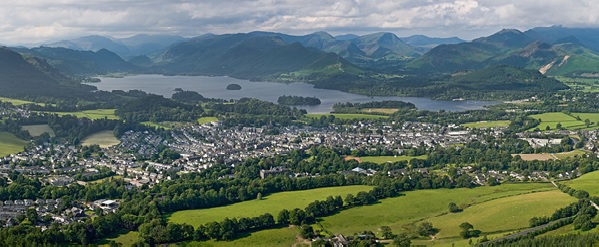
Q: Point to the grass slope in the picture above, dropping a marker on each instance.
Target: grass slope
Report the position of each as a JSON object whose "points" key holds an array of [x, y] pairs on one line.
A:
{"points": [[38, 130], [568, 122], [16, 101], [103, 138], [10, 144], [272, 237], [588, 182], [426, 204], [272, 204]]}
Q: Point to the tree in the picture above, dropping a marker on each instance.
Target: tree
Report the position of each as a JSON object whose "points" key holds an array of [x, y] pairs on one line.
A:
{"points": [[386, 232], [426, 229], [307, 232], [453, 208], [283, 217], [259, 197], [402, 240]]}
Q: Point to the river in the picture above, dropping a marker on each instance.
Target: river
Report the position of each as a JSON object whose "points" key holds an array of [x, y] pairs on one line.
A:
{"points": [[214, 87]]}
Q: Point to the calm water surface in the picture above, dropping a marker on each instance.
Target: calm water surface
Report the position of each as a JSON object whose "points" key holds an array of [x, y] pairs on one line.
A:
{"points": [[214, 87]]}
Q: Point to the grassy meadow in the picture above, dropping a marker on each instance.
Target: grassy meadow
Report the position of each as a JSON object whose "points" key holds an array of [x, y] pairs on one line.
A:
{"points": [[103, 138], [487, 124], [483, 206], [385, 159], [38, 129], [91, 114], [16, 102], [568, 122], [285, 236], [346, 116], [204, 120], [10, 144], [388, 111], [272, 204], [588, 182]]}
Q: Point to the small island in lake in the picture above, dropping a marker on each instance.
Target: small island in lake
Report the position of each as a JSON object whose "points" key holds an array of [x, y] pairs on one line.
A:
{"points": [[298, 100], [233, 86]]}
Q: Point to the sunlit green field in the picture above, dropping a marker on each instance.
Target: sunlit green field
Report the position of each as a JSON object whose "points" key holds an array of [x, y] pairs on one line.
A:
{"points": [[103, 139], [588, 182], [385, 159], [39, 129], [10, 144], [16, 102], [346, 116], [551, 119], [272, 204], [272, 237], [91, 114], [487, 124], [204, 120]]}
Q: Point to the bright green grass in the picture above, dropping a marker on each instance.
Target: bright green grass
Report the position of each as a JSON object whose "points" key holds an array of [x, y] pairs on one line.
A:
{"points": [[272, 204], [10, 144], [385, 159], [16, 101], [588, 182], [272, 237], [38, 130], [593, 117], [571, 154], [204, 120], [91, 114], [155, 125], [551, 119], [421, 205], [487, 124], [126, 239], [346, 116], [103, 138], [503, 214]]}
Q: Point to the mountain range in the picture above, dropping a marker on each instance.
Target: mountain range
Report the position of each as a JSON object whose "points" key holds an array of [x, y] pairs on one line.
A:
{"points": [[348, 62]]}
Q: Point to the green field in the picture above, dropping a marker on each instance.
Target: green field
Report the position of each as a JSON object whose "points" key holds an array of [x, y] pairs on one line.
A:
{"points": [[16, 101], [204, 120], [126, 239], [571, 154], [492, 203], [385, 159], [388, 111], [487, 124], [103, 138], [346, 116], [38, 130], [91, 114], [272, 204], [10, 144], [272, 237], [588, 182], [551, 119]]}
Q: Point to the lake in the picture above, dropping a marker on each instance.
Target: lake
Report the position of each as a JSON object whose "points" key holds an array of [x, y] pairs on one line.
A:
{"points": [[214, 87]]}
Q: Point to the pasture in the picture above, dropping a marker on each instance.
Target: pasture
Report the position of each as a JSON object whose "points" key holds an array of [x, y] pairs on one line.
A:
{"points": [[285, 236], [16, 102], [571, 154], [272, 204], [38, 130], [541, 157], [346, 116], [588, 182], [103, 138], [552, 119], [431, 205], [204, 120], [10, 144], [385, 159], [487, 124], [387, 111], [91, 114]]}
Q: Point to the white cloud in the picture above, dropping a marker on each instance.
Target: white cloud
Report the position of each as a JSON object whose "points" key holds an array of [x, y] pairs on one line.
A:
{"points": [[28, 21]]}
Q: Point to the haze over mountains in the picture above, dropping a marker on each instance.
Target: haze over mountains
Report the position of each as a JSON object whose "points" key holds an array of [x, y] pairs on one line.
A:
{"points": [[347, 62]]}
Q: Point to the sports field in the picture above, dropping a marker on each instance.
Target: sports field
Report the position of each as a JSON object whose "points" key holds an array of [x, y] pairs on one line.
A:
{"points": [[272, 204]]}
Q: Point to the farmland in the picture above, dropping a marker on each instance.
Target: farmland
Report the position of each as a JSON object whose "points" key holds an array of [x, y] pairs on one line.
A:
{"points": [[272, 204], [16, 102], [91, 114], [10, 144], [346, 116], [431, 205], [385, 159], [569, 122], [285, 236], [388, 111], [588, 182], [204, 120], [542, 157], [487, 124], [103, 139], [39, 129]]}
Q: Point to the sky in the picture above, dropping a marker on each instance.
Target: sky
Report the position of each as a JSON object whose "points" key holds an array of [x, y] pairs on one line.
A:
{"points": [[38, 21]]}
